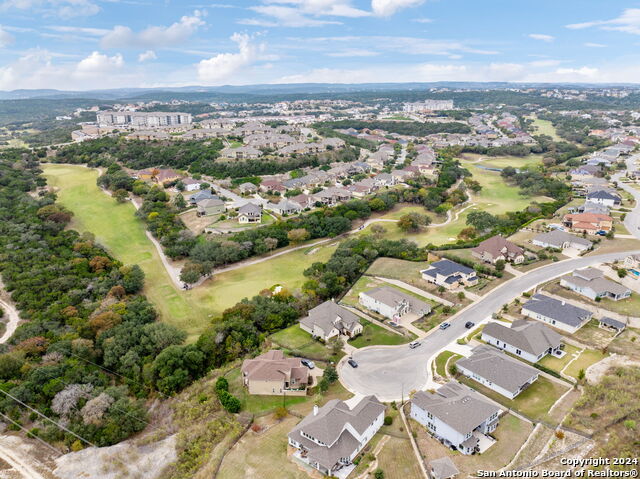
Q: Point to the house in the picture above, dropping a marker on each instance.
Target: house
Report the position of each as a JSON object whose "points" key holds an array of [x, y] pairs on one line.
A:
{"points": [[561, 240], [610, 323], [392, 303], [210, 207], [241, 153], [272, 373], [495, 370], [167, 175], [249, 213], [284, 207], [497, 248], [443, 468], [202, 195], [330, 319], [457, 416], [191, 185], [558, 313], [246, 188], [585, 170], [272, 185], [449, 274], [331, 437], [529, 340], [591, 282], [604, 197], [591, 207], [632, 261], [589, 223]]}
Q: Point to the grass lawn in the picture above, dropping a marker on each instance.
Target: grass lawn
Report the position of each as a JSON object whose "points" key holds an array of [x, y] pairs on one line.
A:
{"points": [[398, 461], [558, 364], [365, 283], [295, 339], [263, 455], [586, 359], [117, 228], [545, 127], [504, 161], [441, 361], [433, 319], [534, 402], [372, 335], [258, 403]]}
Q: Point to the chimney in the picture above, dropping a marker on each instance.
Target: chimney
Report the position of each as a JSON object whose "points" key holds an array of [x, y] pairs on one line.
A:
{"points": [[315, 409]]}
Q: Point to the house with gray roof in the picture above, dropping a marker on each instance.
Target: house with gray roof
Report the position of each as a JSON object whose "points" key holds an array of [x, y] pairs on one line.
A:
{"points": [[497, 371], [443, 468], [285, 207], [449, 274], [558, 313], [330, 319], [591, 282], [457, 416], [202, 195], [561, 240], [604, 197], [613, 324], [393, 303], [210, 207], [529, 340], [331, 437], [249, 213]]}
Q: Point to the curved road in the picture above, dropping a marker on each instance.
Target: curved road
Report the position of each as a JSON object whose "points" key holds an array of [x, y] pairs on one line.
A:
{"points": [[391, 372]]}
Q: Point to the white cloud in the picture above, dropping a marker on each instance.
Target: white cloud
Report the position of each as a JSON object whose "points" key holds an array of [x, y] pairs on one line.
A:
{"points": [[594, 45], [422, 20], [224, 66], [353, 52], [61, 8], [97, 32], [385, 8], [281, 16], [628, 22], [338, 8], [545, 63], [5, 38], [154, 37], [42, 69], [542, 37], [146, 56]]}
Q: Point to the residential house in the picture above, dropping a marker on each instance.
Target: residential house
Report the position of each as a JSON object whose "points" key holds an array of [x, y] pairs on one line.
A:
{"points": [[167, 175], [457, 416], [591, 282], [589, 223], [249, 213], [495, 370], [385, 179], [392, 303], [585, 171], [561, 240], [241, 153], [497, 248], [632, 262], [330, 319], [272, 185], [529, 340], [331, 437], [611, 324], [248, 188], [272, 373], [558, 313], [202, 195], [604, 197], [210, 207], [285, 207], [449, 274], [443, 468], [191, 185]]}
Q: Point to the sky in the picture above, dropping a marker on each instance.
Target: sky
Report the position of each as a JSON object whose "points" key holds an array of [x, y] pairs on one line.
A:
{"points": [[97, 44]]}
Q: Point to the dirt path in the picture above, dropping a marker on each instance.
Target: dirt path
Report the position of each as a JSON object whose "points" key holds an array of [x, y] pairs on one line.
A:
{"points": [[12, 313]]}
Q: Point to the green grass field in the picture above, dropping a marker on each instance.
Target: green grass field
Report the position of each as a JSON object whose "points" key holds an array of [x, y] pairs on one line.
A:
{"points": [[545, 127], [117, 228], [372, 335]]}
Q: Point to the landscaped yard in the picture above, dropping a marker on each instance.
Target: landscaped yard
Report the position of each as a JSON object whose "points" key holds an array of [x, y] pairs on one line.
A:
{"points": [[558, 364], [294, 339], [398, 461], [586, 359], [372, 335], [441, 361], [534, 402]]}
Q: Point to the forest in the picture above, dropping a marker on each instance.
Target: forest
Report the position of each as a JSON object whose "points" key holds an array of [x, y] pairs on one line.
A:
{"points": [[413, 128]]}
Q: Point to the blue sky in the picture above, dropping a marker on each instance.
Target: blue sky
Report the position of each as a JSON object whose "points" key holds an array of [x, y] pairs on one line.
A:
{"points": [[87, 44]]}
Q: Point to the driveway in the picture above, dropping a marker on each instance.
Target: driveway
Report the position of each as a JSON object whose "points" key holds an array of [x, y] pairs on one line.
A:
{"points": [[391, 372]]}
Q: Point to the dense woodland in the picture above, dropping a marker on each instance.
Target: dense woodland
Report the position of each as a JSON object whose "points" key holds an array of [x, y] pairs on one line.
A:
{"points": [[414, 128]]}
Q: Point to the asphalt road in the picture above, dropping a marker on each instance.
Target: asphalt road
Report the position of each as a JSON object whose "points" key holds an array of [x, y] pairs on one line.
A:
{"points": [[391, 372]]}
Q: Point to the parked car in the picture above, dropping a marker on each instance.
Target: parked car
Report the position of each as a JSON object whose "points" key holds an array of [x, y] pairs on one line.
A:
{"points": [[393, 324], [414, 344], [308, 363], [601, 233], [352, 363], [445, 325], [469, 324]]}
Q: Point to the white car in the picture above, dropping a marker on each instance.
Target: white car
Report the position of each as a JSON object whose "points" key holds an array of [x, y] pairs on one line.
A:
{"points": [[414, 344]]}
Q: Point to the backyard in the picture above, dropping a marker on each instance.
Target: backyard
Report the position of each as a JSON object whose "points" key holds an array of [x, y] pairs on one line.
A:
{"points": [[373, 334], [295, 340]]}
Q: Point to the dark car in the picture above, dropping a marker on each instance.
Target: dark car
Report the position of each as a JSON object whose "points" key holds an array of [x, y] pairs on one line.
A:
{"points": [[352, 363], [445, 325], [469, 324]]}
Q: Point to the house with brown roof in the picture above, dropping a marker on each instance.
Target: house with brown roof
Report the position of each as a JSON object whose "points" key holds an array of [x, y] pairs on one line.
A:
{"points": [[272, 373], [589, 223], [497, 248]]}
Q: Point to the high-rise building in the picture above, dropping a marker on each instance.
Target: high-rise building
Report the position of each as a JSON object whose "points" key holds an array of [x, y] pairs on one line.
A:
{"points": [[138, 119]]}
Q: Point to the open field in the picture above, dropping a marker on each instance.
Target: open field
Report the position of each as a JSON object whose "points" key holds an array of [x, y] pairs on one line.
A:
{"points": [[545, 127], [397, 460], [503, 161], [117, 228], [534, 402], [627, 343]]}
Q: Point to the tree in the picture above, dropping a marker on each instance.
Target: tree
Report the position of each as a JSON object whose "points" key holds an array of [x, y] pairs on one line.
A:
{"points": [[180, 202], [298, 235], [121, 195], [191, 273], [378, 230], [500, 265], [481, 220], [132, 278], [413, 222], [379, 474], [330, 374]]}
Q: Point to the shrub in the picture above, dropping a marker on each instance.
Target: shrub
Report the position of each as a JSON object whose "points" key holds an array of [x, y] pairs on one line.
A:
{"points": [[222, 384], [560, 434], [388, 420], [229, 402], [379, 474]]}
